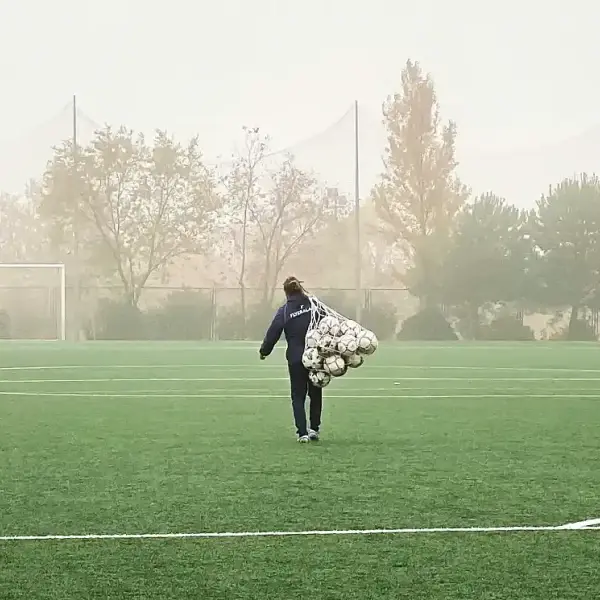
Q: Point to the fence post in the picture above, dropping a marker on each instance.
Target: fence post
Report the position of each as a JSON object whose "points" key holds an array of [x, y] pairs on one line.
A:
{"points": [[214, 334]]}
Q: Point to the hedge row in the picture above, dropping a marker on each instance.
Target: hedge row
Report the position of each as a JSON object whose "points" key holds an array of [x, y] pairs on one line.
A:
{"points": [[431, 325], [191, 315]]}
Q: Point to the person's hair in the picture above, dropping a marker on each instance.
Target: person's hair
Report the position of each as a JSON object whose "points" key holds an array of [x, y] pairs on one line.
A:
{"points": [[293, 286]]}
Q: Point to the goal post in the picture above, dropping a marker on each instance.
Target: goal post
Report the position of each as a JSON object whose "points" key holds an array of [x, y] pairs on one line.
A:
{"points": [[33, 301]]}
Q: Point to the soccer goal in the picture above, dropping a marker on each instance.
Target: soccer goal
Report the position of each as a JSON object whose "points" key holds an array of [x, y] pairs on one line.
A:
{"points": [[33, 301]]}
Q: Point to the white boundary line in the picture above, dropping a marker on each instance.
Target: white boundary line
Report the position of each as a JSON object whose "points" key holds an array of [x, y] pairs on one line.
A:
{"points": [[149, 367], [231, 367], [308, 533], [588, 524], [245, 379], [226, 390], [228, 396], [141, 379]]}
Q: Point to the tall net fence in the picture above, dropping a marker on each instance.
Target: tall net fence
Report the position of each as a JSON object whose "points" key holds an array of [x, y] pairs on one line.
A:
{"points": [[24, 158], [207, 301], [229, 311], [168, 313], [31, 303]]}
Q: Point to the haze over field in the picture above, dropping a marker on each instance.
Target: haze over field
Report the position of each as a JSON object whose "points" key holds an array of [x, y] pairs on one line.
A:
{"points": [[515, 77]]}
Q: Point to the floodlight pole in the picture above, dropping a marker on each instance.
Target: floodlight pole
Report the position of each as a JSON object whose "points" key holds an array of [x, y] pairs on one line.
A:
{"points": [[76, 222], [358, 259]]}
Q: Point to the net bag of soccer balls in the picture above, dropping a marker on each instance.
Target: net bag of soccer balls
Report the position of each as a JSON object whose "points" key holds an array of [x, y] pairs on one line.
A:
{"points": [[334, 344]]}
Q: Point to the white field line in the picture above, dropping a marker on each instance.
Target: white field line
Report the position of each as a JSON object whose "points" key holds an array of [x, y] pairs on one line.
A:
{"points": [[352, 377], [258, 391], [267, 396], [53, 345], [587, 524], [307, 533], [174, 346], [141, 379], [230, 367]]}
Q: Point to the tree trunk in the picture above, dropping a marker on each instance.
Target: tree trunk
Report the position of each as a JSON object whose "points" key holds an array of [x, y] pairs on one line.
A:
{"points": [[474, 325], [242, 277], [572, 334], [243, 301]]}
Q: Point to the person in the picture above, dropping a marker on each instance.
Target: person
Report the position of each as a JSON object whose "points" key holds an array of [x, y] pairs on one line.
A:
{"points": [[293, 318]]}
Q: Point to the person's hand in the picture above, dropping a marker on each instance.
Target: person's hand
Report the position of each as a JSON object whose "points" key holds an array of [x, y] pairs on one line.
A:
{"points": [[262, 356]]}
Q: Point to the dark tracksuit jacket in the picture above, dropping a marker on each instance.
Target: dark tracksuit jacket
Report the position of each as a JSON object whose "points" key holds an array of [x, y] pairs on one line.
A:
{"points": [[293, 319]]}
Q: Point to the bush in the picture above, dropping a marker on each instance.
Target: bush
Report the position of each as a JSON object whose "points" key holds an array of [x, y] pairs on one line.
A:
{"points": [[506, 328], [427, 325], [381, 320], [580, 331], [117, 320], [185, 315], [230, 323]]}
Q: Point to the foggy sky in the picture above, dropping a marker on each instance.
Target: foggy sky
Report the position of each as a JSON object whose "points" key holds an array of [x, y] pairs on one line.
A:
{"points": [[519, 75]]}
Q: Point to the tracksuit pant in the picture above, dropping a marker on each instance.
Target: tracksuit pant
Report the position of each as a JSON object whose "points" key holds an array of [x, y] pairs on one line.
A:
{"points": [[300, 385]]}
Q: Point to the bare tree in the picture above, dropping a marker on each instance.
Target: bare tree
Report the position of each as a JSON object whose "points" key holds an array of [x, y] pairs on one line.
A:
{"points": [[23, 236], [242, 194], [293, 209], [139, 206]]}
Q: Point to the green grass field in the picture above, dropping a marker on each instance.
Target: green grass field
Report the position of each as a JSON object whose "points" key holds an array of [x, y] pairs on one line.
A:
{"points": [[180, 438]]}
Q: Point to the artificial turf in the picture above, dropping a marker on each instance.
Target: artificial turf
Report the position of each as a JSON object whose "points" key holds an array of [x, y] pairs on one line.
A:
{"points": [[183, 438]]}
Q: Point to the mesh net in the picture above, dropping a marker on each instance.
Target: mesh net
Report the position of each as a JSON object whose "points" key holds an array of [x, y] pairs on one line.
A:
{"points": [[30, 303], [334, 343], [237, 310]]}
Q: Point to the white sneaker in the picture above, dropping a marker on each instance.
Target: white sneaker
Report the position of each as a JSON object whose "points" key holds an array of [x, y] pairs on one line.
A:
{"points": [[304, 439], [313, 435]]}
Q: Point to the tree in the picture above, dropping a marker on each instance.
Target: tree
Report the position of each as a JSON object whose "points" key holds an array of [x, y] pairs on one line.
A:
{"points": [[419, 193], [487, 262], [566, 233], [243, 192], [136, 207], [287, 213], [23, 237], [337, 242]]}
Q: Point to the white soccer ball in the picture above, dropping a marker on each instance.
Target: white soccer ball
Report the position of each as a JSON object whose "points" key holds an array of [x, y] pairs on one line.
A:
{"points": [[312, 338], [347, 345], [355, 361], [319, 378], [311, 359], [326, 345], [335, 330], [351, 327], [367, 342], [335, 366], [344, 327], [327, 324]]}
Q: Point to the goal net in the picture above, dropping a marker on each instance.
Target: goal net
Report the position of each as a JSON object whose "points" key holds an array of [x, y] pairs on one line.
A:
{"points": [[32, 301]]}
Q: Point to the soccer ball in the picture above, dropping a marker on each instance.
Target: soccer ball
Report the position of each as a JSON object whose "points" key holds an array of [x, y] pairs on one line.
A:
{"points": [[335, 366], [350, 327], [319, 378], [335, 330], [311, 358], [367, 342], [347, 345], [326, 345], [355, 361], [327, 324], [312, 338]]}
